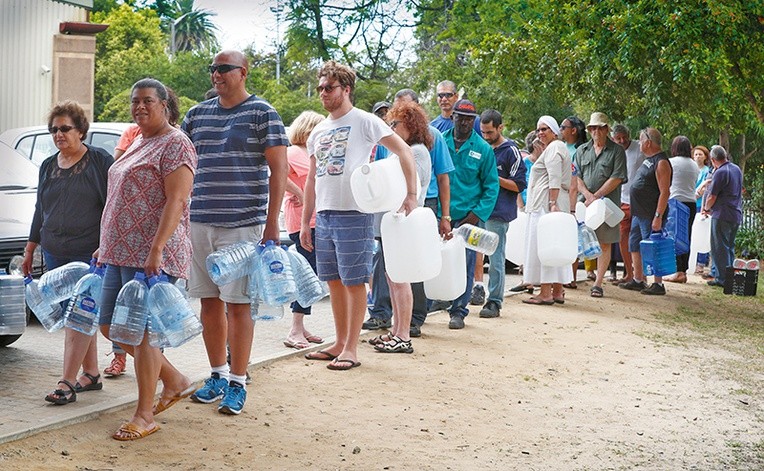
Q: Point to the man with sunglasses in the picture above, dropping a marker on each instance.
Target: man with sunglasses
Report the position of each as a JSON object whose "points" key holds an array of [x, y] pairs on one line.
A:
{"points": [[239, 138], [447, 97], [601, 169]]}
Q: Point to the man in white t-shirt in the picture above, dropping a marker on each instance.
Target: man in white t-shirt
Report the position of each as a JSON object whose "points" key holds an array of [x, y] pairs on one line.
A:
{"points": [[345, 235]]}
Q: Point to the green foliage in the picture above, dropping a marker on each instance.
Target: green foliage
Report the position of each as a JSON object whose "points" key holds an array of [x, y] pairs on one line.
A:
{"points": [[750, 238]]}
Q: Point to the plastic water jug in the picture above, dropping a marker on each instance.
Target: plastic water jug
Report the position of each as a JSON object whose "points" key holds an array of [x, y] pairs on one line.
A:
{"points": [[451, 282], [658, 255], [13, 317], [51, 316], [379, 186], [477, 239], [677, 225], [82, 311], [701, 234], [274, 273], [171, 316], [589, 244], [411, 248], [557, 237], [265, 312], [128, 324], [614, 213], [596, 213], [58, 284], [580, 211], [230, 263], [514, 249], [310, 290]]}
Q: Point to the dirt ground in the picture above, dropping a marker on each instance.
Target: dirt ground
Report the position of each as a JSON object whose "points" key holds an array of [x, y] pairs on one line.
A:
{"points": [[625, 382]]}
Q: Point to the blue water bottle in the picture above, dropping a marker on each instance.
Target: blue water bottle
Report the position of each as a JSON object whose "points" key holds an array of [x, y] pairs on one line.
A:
{"points": [[82, 310], [230, 263], [658, 255], [58, 284], [51, 316], [173, 322], [275, 275], [128, 324]]}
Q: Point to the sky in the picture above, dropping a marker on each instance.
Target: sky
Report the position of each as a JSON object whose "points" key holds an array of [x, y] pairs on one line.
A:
{"points": [[244, 22]]}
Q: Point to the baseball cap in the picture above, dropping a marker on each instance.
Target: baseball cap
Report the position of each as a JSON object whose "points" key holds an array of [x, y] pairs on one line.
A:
{"points": [[380, 104], [465, 108]]}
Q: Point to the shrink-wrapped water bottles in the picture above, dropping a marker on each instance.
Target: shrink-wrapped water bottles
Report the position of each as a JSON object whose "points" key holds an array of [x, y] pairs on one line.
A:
{"points": [[589, 244], [128, 323], [58, 284], [82, 310], [173, 322], [230, 263], [275, 277], [50, 315], [478, 239], [310, 290], [13, 319]]}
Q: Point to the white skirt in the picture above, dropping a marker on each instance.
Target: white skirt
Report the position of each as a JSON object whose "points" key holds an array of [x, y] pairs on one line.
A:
{"points": [[533, 271]]}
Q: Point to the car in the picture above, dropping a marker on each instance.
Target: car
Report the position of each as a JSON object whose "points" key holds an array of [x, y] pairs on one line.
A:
{"points": [[18, 194], [36, 143]]}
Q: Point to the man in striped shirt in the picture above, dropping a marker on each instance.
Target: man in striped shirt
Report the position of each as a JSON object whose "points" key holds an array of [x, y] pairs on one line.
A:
{"points": [[239, 138]]}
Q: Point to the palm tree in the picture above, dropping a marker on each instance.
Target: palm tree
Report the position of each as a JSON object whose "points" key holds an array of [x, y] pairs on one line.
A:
{"points": [[190, 29]]}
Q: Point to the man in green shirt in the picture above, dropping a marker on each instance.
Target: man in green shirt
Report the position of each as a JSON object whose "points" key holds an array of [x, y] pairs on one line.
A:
{"points": [[474, 188]]}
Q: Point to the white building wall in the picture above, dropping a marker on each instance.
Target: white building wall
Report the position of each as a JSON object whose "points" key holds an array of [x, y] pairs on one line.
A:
{"points": [[27, 28]]}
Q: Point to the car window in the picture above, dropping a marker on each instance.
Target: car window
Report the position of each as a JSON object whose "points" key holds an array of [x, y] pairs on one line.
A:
{"points": [[25, 146], [105, 141], [43, 148], [16, 171]]}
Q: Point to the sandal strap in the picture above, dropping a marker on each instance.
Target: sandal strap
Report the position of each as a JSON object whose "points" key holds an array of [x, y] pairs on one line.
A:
{"points": [[93, 379], [68, 385]]}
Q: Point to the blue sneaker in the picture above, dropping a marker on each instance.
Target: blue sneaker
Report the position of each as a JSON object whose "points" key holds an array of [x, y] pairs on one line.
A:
{"points": [[213, 389], [234, 399]]}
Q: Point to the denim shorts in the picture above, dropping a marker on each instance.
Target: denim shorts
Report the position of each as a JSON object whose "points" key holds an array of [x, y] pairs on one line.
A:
{"points": [[344, 246], [641, 228], [113, 281]]}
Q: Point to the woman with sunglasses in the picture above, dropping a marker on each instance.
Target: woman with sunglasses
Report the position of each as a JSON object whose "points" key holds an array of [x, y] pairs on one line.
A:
{"points": [[71, 194], [548, 191]]}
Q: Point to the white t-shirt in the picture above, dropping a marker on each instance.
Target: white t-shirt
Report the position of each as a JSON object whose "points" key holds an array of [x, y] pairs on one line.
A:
{"points": [[685, 174], [634, 159], [340, 146]]}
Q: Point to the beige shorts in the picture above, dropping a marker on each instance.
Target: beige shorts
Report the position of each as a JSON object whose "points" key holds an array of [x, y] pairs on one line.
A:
{"points": [[206, 239]]}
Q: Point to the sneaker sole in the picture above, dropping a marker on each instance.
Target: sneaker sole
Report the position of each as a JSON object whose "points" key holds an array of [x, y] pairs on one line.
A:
{"points": [[200, 400], [228, 411]]}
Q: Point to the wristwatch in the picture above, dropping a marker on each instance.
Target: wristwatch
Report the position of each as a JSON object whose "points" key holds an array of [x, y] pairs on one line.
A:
{"points": [[657, 214], [447, 218]]}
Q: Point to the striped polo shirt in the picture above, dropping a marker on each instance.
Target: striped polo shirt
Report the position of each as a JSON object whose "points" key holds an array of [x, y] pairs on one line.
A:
{"points": [[231, 181]]}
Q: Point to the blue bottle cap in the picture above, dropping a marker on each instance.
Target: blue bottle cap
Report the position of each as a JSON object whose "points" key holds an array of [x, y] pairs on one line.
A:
{"points": [[269, 243], [28, 279], [140, 276]]}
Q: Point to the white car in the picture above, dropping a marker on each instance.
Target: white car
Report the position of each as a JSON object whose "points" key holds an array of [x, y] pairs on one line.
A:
{"points": [[36, 143]]}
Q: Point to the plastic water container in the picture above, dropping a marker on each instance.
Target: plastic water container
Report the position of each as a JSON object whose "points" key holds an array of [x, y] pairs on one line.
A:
{"points": [[379, 186], [677, 225], [614, 213], [596, 213], [514, 249], [58, 284], [477, 239], [51, 316], [557, 236], [589, 246], [411, 248], [701, 234], [580, 211], [128, 324], [265, 312], [451, 282], [274, 273], [658, 255], [230, 263], [13, 317], [310, 290], [82, 311], [171, 315]]}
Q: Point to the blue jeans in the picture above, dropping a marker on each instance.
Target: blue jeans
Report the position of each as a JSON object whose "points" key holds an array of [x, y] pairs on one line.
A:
{"points": [[382, 308], [496, 268], [723, 246], [459, 306]]}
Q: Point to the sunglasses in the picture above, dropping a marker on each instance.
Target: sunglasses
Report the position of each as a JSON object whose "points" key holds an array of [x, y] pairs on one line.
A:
{"points": [[64, 129], [222, 68], [446, 95], [542, 129], [326, 88]]}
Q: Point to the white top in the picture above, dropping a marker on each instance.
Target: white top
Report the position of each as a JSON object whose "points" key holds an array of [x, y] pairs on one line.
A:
{"points": [[553, 169], [683, 181], [634, 158], [340, 146]]}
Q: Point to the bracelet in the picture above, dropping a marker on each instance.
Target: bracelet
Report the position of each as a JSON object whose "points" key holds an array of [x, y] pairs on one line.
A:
{"points": [[411, 193]]}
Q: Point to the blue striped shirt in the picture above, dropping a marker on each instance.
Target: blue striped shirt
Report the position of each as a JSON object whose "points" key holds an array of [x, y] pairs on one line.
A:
{"points": [[231, 181]]}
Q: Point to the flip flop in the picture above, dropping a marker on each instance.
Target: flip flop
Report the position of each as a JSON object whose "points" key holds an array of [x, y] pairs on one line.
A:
{"points": [[129, 431], [571, 285], [343, 365], [314, 339], [296, 345], [94, 384], [596, 292], [320, 355], [559, 300], [537, 302], [165, 404]]}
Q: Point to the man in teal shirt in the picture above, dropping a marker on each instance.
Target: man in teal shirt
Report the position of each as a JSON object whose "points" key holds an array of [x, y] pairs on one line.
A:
{"points": [[474, 189]]}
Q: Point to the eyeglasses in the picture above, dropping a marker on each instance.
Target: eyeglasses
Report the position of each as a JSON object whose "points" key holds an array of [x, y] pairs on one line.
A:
{"points": [[542, 129], [326, 88], [446, 95], [64, 129], [394, 124], [222, 68], [565, 127]]}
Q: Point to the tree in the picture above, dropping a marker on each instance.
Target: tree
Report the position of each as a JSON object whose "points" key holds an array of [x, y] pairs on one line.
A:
{"points": [[191, 28]]}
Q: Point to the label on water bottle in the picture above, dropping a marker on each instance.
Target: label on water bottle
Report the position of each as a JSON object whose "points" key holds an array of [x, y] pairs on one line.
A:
{"points": [[276, 266], [474, 237], [120, 315], [87, 304]]}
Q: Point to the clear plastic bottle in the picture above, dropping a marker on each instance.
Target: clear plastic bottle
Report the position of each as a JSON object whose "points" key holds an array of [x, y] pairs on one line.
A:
{"points": [[276, 281], [230, 263], [82, 310], [310, 290], [128, 324], [257, 307], [58, 284], [171, 315], [591, 247], [477, 239], [51, 316]]}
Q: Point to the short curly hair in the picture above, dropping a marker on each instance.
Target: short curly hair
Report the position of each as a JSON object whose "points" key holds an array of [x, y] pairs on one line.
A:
{"points": [[415, 119], [340, 72], [74, 111]]}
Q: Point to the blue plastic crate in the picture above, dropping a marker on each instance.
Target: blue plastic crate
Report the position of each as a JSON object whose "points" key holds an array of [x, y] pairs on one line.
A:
{"points": [[678, 225]]}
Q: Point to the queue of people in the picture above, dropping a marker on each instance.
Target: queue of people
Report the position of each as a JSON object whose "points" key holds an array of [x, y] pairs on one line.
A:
{"points": [[175, 195]]}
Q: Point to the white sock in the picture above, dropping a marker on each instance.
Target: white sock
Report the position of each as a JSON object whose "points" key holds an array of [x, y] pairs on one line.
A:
{"points": [[479, 283], [241, 379], [223, 371]]}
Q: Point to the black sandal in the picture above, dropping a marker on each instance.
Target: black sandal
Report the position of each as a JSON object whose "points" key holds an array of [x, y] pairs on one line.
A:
{"points": [[94, 385], [60, 397], [380, 339]]}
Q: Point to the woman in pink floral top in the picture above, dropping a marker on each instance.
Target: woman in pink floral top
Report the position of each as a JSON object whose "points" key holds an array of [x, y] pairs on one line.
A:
{"points": [[145, 227]]}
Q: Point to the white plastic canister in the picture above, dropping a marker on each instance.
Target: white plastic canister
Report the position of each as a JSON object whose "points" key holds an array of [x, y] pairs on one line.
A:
{"points": [[615, 213], [451, 282], [514, 250], [557, 239], [596, 213], [379, 186], [412, 250]]}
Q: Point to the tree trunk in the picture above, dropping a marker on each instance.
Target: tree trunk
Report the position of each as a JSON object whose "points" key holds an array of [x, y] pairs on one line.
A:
{"points": [[724, 139]]}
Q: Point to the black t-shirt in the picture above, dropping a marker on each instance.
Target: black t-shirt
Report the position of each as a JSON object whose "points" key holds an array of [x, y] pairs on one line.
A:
{"points": [[644, 187]]}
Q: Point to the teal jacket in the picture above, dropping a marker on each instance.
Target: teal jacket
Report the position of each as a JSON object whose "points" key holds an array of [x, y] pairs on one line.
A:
{"points": [[474, 180]]}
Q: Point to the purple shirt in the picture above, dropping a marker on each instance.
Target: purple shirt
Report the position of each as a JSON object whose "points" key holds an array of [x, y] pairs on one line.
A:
{"points": [[509, 165], [727, 186]]}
